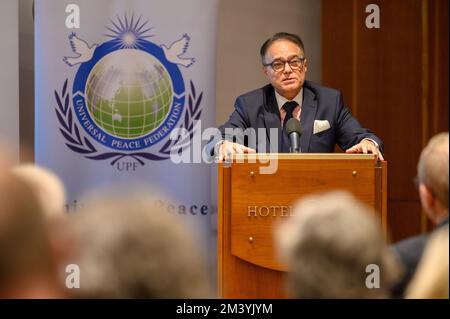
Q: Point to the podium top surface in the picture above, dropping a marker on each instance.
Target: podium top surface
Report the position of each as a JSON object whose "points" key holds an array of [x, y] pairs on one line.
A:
{"points": [[308, 156]]}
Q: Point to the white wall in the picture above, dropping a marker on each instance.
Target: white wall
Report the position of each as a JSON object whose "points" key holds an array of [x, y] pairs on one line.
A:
{"points": [[243, 27], [9, 76]]}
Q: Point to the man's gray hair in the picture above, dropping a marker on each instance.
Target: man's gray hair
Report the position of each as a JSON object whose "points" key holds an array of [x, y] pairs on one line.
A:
{"points": [[129, 248], [47, 186], [433, 164], [328, 244]]}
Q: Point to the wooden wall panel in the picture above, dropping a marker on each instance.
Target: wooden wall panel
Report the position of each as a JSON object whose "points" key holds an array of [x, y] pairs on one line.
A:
{"points": [[405, 212], [438, 29], [337, 46], [395, 81]]}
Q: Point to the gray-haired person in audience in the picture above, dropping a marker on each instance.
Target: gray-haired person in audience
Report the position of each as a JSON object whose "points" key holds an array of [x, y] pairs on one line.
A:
{"points": [[432, 183], [128, 248], [48, 187], [27, 265], [51, 194], [332, 245]]}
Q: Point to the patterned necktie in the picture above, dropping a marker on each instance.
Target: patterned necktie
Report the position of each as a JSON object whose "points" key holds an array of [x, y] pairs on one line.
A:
{"points": [[289, 108]]}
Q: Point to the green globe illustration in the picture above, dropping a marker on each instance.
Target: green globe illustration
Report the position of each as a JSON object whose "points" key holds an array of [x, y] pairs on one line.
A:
{"points": [[129, 93]]}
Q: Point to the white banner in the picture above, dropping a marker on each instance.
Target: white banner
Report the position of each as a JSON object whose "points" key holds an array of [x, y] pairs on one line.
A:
{"points": [[114, 78]]}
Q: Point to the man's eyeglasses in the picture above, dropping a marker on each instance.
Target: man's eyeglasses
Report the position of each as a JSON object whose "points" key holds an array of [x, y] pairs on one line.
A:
{"points": [[295, 64]]}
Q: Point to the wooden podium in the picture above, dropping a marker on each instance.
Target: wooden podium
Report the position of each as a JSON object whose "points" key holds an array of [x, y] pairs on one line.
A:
{"points": [[250, 203]]}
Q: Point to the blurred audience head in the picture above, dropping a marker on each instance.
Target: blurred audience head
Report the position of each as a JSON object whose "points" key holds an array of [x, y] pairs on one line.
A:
{"points": [[130, 249], [330, 246], [432, 177], [47, 186], [431, 278], [51, 195], [26, 266]]}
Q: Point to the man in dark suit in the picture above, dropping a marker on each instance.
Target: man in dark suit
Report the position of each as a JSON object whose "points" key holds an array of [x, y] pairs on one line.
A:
{"points": [[259, 120], [432, 180]]}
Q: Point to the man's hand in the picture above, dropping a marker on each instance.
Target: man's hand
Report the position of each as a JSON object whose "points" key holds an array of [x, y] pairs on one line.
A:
{"points": [[366, 146], [227, 149]]}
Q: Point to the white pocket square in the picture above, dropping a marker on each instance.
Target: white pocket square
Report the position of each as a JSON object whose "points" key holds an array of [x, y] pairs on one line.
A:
{"points": [[320, 126]]}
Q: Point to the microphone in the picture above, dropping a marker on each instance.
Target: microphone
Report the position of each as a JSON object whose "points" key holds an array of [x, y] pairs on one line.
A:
{"points": [[294, 131]]}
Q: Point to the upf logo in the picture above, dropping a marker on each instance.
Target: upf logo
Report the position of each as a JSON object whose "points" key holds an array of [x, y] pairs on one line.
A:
{"points": [[128, 94]]}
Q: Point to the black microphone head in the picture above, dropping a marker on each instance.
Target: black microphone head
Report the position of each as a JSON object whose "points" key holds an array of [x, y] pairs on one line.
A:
{"points": [[293, 125]]}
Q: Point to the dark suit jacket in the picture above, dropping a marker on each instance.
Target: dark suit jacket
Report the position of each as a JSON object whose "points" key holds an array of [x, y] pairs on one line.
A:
{"points": [[258, 109], [410, 252]]}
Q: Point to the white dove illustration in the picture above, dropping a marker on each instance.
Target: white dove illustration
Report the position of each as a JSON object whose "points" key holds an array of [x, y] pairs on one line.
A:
{"points": [[175, 51], [81, 48]]}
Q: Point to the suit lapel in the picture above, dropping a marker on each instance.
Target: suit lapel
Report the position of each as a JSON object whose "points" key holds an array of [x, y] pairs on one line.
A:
{"points": [[271, 115], [307, 116]]}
